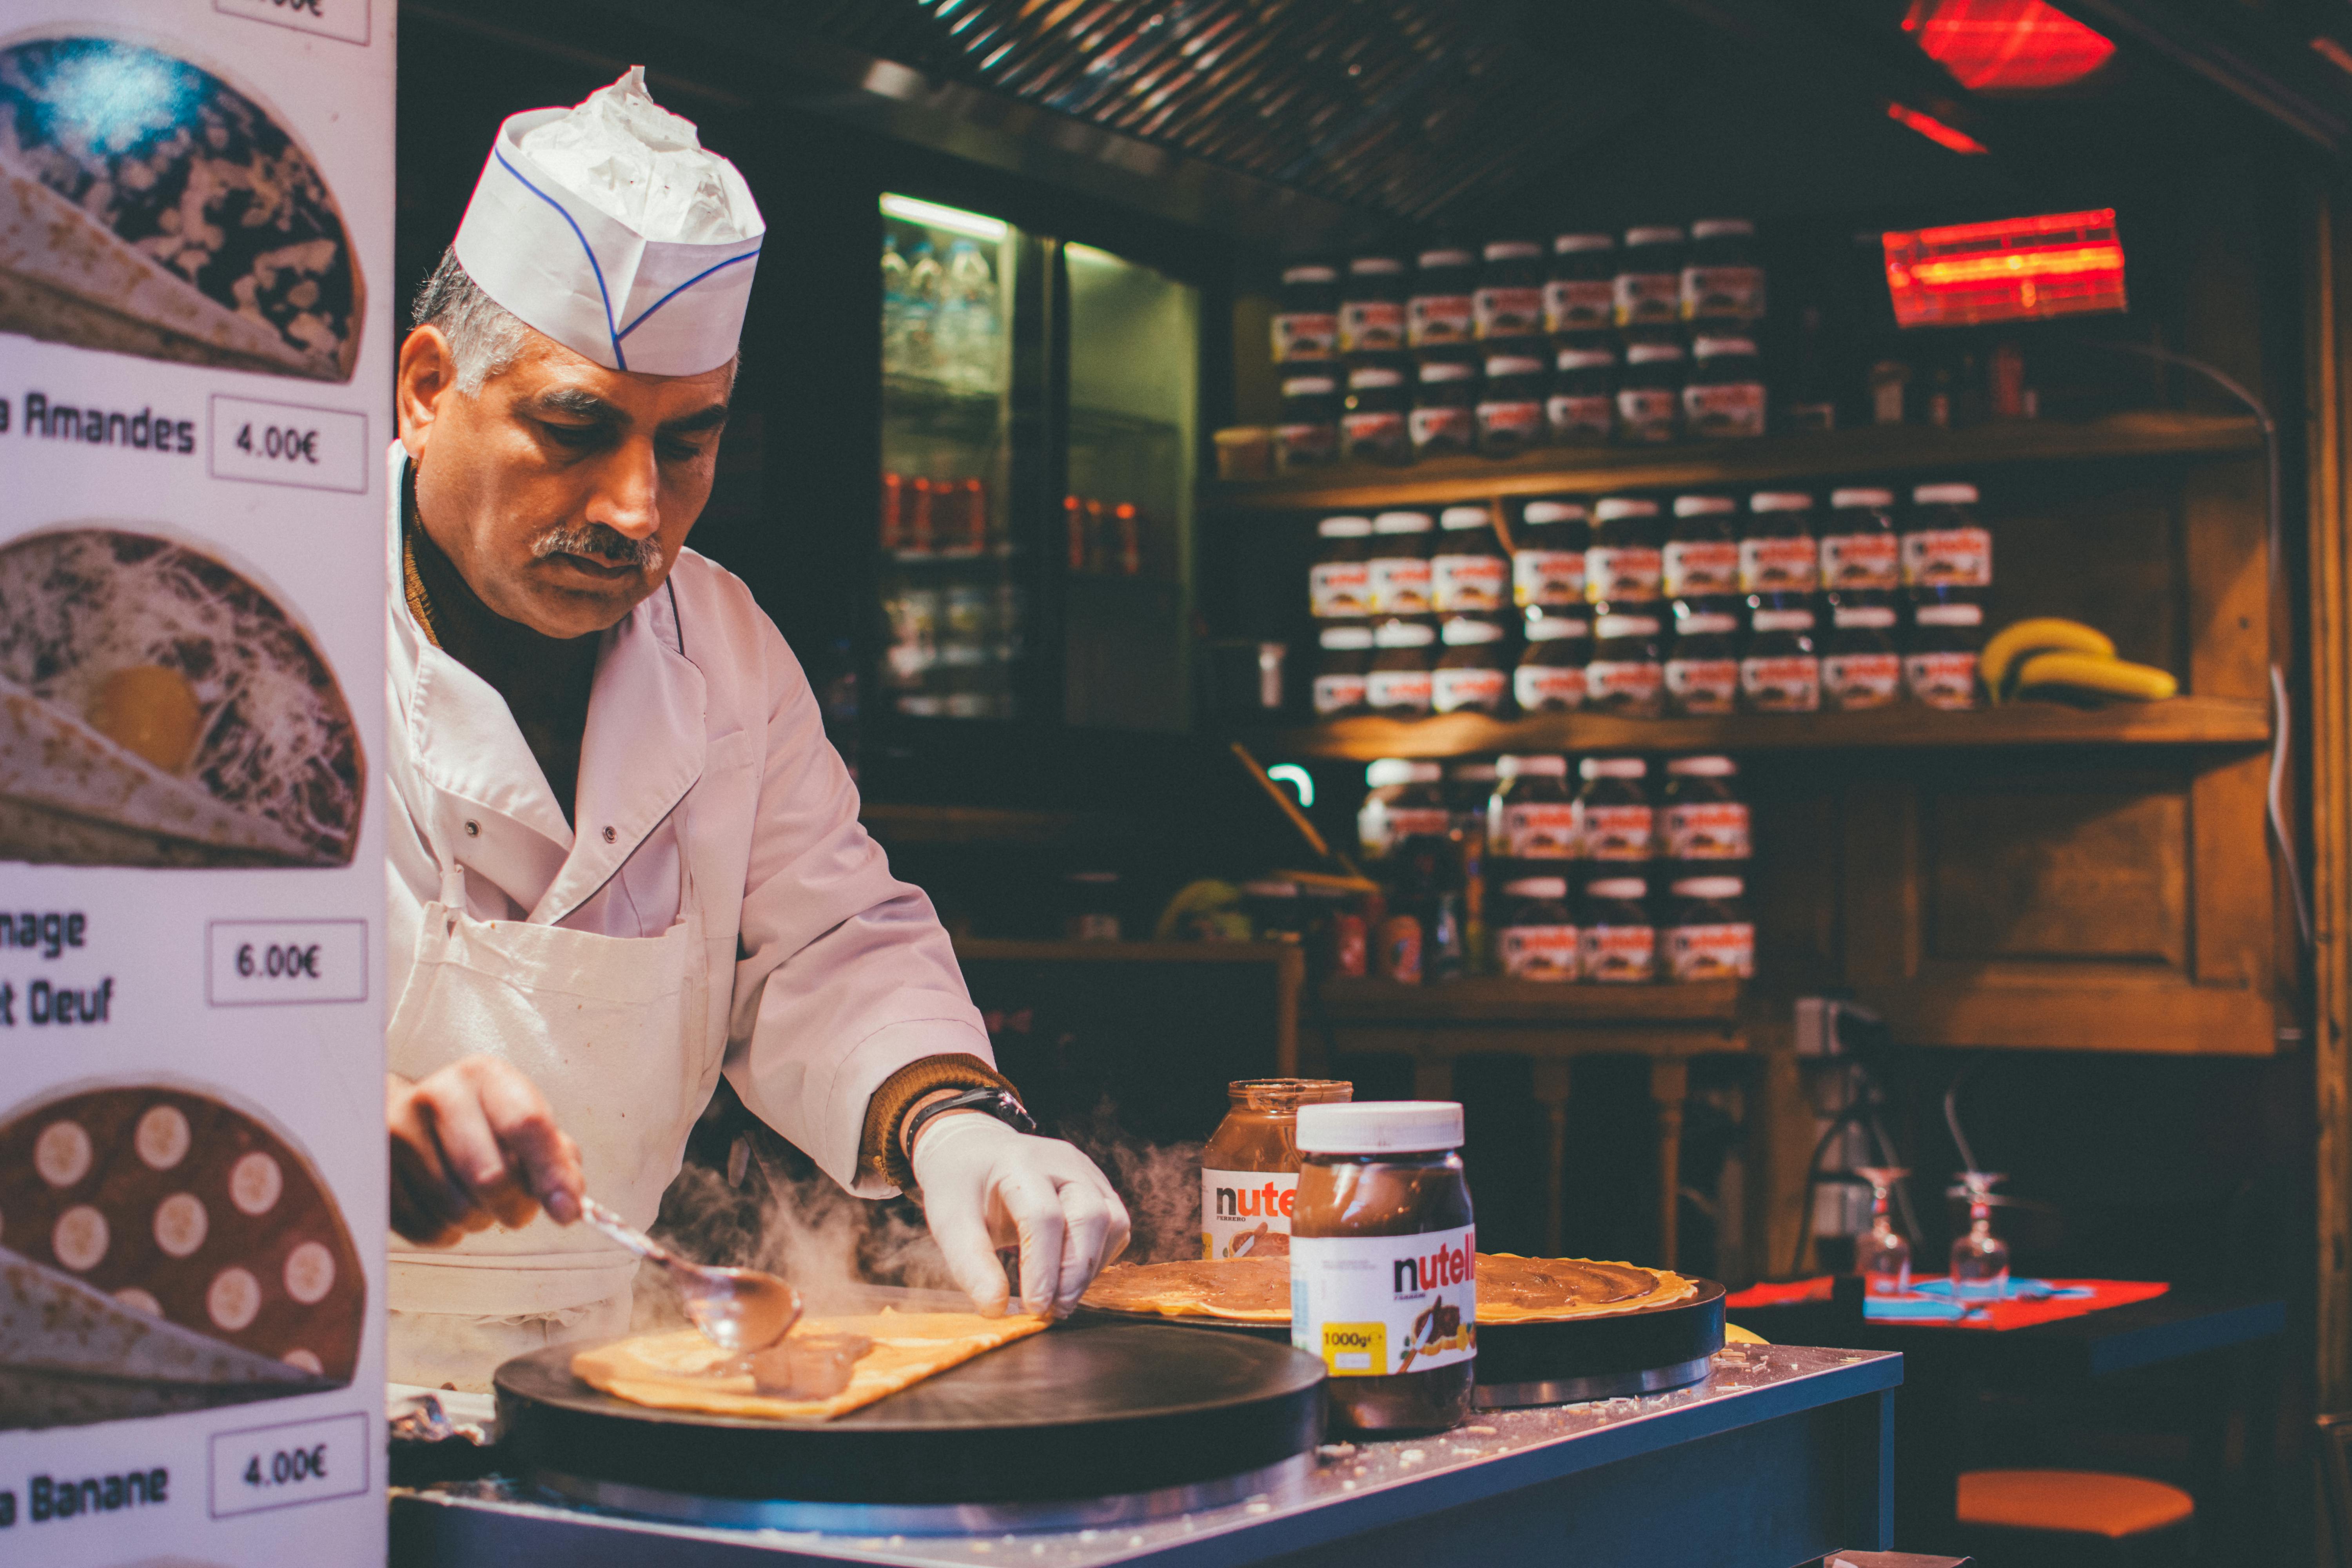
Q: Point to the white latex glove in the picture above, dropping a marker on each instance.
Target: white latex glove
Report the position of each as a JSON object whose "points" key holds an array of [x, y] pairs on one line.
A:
{"points": [[984, 1186]]}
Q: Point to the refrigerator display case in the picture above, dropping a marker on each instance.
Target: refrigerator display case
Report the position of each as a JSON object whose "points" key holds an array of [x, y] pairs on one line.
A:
{"points": [[1038, 416]]}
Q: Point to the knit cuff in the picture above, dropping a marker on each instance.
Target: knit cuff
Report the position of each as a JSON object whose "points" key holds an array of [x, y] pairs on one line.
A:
{"points": [[879, 1150]]}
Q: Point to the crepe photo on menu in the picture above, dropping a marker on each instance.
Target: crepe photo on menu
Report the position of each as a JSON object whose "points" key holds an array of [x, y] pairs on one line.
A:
{"points": [[159, 708], [149, 207], [162, 1249]]}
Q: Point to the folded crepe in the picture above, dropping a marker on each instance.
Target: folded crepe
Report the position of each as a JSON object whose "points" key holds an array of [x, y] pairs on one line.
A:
{"points": [[675, 1371], [148, 207], [159, 708]]}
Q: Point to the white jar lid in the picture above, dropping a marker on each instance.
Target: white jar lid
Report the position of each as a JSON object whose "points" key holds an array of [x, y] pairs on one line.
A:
{"points": [[1723, 348], [1537, 887], [1614, 768], [1401, 523], [1344, 527], [1704, 506], [1868, 615], [1702, 767], [1617, 888], [1709, 888], [1443, 370], [1780, 501], [1375, 375], [1380, 1127], [1570, 244], [1314, 272], [1626, 626], [1446, 255], [1862, 495], [1309, 386], [1375, 267], [1584, 359], [1541, 511], [1501, 366], [1553, 628], [1512, 250], [1464, 631], [1721, 228], [1950, 614], [1615, 507], [1398, 770], [1651, 353], [1944, 495], [1783, 620], [1404, 634], [1454, 517], [1706, 623], [1345, 640], [1656, 234], [1531, 767]]}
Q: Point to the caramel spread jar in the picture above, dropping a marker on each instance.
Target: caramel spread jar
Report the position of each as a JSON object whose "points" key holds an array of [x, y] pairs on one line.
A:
{"points": [[1249, 1170], [1384, 1287]]}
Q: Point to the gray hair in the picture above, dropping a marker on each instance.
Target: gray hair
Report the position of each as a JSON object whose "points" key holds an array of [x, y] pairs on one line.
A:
{"points": [[485, 337]]}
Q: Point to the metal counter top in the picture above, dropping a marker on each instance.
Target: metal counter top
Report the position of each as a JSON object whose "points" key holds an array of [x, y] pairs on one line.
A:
{"points": [[1791, 1446]]}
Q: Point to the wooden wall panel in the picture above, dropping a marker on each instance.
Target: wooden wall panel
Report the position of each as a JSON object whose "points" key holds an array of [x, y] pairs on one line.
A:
{"points": [[2058, 874]]}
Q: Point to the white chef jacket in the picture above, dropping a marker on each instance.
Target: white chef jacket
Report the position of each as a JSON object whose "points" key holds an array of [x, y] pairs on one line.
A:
{"points": [[842, 973]]}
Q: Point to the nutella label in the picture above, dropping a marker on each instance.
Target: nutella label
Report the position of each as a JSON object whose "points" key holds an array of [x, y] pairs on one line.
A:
{"points": [[1778, 565], [1451, 691], [1371, 326], [1647, 413], [1432, 319], [1617, 831], [1386, 827], [1400, 585], [1440, 428], [1861, 680], [1306, 336], [1536, 830], [1735, 409], [1338, 694], [1621, 683], [1615, 573], [1941, 679], [1392, 690], [1466, 583], [1522, 421], [1548, 688], [1641, 296], [1859, 560], [1380, 1306], [1711, 952], [1707, 830], [1578, 305], [1508, 312], [1372, 432], [1581, 416], [1242, 1212], [1722, 293], [1307, 443], [1786, 683], [1540, 953], [1947, 558], [1703, 685], [1340, 589], [1700, 566], [1620, 954], [1547, 577]]}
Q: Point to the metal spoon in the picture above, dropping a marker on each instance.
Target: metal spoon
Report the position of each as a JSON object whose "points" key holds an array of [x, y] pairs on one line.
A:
{"points": [[739, 1310]]}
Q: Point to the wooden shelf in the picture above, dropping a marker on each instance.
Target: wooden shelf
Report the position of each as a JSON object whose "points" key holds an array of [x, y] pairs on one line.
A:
{"points": [[1873, 452], [2216, 722], [1492, 999]]}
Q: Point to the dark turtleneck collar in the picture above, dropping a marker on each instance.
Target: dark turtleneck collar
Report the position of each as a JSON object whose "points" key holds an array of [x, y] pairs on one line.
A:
{"points": [[545, 680]]}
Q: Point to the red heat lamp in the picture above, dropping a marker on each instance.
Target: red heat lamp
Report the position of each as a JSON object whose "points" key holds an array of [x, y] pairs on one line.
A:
{"points": [[2018, 269], [2006, 46]]}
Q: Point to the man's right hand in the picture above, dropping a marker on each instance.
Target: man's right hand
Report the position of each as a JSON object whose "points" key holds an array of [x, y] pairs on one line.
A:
{"points": [[475, 1146]]}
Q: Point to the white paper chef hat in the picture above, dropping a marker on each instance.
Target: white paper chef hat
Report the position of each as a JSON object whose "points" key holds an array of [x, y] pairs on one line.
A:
{"points": [[609, 227]]}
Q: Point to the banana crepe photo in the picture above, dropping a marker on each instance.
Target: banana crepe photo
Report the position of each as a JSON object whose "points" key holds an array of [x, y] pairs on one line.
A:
{"points": [[159, 708]]}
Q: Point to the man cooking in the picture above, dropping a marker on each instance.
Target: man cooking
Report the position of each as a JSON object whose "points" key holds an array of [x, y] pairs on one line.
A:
{"points": [[623, 857]]}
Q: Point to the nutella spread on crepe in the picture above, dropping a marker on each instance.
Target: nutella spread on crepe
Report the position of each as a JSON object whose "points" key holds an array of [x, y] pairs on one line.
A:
{"points": [[1511, 1290]]}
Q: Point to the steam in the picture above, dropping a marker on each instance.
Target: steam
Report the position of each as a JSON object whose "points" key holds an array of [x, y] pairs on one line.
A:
{"points": [[1159, 1183]]}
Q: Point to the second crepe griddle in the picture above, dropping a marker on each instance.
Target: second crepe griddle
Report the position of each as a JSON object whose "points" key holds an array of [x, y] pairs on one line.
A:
{"points": [[1084, 1410]]}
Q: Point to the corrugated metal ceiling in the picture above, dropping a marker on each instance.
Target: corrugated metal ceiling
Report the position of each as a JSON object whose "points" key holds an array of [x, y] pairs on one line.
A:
{"points": [[1410, 108]]}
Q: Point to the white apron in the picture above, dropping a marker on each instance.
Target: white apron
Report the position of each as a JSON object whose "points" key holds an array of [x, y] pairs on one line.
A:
{"points": [[613, 1032]]}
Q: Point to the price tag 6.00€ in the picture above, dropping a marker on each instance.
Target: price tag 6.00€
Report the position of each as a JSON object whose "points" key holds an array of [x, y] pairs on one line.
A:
{"points": [[261, 963]]}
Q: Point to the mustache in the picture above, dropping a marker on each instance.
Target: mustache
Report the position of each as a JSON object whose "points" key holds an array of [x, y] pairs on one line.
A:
{"points": [[600, 540]]}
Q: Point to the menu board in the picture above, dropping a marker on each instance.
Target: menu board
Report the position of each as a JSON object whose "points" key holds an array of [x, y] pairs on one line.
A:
{"points": [[195, 356]]}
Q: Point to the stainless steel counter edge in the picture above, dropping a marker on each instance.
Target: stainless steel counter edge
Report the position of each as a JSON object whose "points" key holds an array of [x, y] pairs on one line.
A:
{"points": [[1357, 1488]]}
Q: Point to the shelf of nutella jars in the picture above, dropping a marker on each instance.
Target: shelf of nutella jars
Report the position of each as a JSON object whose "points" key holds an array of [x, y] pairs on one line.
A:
{"points": [[1771, 602], [1503, 348], [1616, 870]]}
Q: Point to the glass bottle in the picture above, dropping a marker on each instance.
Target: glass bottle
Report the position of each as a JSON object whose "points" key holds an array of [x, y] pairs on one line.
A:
{"points": [[1980, 1258], [1885, 1256]]}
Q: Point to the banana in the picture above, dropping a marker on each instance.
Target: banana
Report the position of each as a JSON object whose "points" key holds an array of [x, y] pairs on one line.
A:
{"points": [[2058, 672], [2021, 640]]}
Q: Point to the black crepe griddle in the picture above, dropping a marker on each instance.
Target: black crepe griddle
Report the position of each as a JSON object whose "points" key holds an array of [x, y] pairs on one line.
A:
{"points": [[1085, 1410], [1609, 1357]]}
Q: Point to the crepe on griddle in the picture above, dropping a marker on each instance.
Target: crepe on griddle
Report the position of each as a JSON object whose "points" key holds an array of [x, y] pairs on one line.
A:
{"points": [[148, 207], [673, 1371], [159, 708], [1511, 1289]]}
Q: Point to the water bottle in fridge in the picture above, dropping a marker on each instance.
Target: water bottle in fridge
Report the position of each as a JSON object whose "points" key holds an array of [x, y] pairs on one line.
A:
{"points": [[924, 284], [968, 316], [894, 309]]}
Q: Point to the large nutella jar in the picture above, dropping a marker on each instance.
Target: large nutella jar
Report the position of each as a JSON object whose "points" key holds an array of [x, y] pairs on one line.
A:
{"points": [[1400, 562], [1615, 817], [1473, 675], [1704, 818], [1307, 315], [1509, 302], [1307, 433], [1625, 674], [1777, 553], [1383, 1270], [1535, 934], [1781, 670], [1249, 1168], [1619, 940], [1709, 935], [1398, 684], [1859, 548], [1510, 408], [1582, 407], [1548, 555], [1860, 668], [1372, 306], [1339, 584], [1532, 816], [1468, 574], [1550, 675], [1624, 564], [1440, 308], [1580, 294], [1650, 277], [1342, 671], [1650, 393], [1441, 420], [1405, 803], [1943, 545], [1372, 424], [1703, 661], [1703, 552]]}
